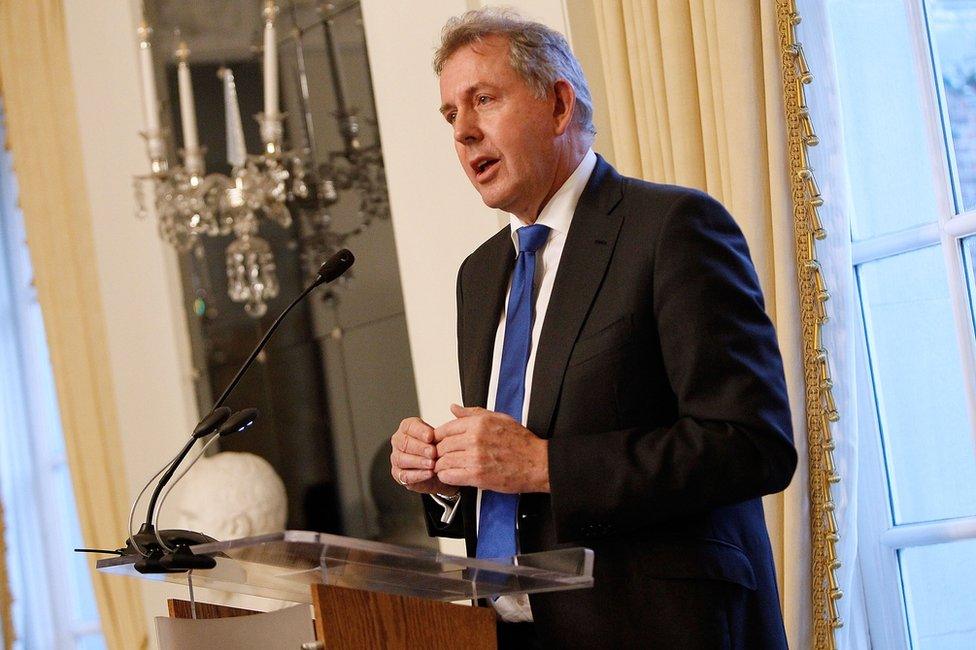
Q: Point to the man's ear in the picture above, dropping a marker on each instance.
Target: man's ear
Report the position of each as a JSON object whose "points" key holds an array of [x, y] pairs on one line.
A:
{"points": [[563, 106]]}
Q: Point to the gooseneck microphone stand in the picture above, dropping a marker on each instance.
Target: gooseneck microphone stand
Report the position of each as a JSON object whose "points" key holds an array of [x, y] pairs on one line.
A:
{"points": [[146, 543]]}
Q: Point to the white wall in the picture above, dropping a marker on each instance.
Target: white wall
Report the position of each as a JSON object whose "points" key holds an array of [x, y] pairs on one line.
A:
{"points": [[146, 327], [438, 218]]}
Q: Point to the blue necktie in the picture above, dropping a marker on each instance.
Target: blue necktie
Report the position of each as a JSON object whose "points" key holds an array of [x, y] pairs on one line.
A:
{"points": [[496, 523]]}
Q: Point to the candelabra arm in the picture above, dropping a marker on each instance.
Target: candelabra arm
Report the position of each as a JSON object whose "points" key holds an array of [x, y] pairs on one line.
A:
{"points": [[193, 161], [272, 130], [156, 150]]}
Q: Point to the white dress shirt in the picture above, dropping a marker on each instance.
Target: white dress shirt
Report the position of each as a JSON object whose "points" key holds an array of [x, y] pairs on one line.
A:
{"points": [[557, 215]]}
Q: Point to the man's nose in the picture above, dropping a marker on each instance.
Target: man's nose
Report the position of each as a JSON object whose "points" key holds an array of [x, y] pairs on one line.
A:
{"points": [[466, 128]]}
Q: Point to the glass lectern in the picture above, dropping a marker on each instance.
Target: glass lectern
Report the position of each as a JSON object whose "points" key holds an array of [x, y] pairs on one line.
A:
{"points": [[305, 567]]}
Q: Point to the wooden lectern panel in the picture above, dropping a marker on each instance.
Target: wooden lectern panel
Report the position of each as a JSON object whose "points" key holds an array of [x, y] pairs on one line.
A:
{"points": [[351, 619]]}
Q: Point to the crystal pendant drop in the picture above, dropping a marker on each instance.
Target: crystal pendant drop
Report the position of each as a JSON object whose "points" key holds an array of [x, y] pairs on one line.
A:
{"points": [[251, 274]]}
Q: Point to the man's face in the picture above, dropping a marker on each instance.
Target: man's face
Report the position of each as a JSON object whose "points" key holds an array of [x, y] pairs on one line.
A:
{"points": [[503, 133]]}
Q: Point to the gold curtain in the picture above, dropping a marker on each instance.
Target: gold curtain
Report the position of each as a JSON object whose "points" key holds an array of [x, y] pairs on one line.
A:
{"points": [[42, 133], [695, 94]]}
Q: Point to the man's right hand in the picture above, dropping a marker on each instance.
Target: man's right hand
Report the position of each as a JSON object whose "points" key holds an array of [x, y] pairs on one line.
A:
{"points": [[414, 456]]}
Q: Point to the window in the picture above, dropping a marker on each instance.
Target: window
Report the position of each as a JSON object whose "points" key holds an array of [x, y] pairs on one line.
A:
{"points": [[54, 606], [906, 74]]}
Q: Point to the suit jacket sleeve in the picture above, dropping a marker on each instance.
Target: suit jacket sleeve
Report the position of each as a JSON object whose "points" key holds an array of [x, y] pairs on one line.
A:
{"points": [[732, 439]]}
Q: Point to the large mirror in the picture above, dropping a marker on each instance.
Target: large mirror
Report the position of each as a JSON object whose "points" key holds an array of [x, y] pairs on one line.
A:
{"points": [[337, 376]]}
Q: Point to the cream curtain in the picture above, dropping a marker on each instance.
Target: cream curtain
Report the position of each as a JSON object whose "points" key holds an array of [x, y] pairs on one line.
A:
{"points": [[695, 94], [44, 141]]}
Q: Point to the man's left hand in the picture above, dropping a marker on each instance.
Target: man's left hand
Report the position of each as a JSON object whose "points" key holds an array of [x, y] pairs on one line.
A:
{"points": [[491, 451]]}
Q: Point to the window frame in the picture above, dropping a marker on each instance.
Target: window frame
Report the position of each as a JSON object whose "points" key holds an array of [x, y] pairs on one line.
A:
{"points": [[880, 539]]}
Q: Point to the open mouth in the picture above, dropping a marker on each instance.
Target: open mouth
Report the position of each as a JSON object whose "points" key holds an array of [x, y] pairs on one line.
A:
{"points": [[483, 166]]}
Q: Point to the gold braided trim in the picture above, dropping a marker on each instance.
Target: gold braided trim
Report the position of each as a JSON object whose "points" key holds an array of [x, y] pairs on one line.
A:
{"points": [[820, 406], [6, 600]]}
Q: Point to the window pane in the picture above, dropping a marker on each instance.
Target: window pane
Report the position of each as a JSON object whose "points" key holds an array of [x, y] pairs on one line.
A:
{"points": [[940, 597], [75, 573], [892, 185], [915, 363], [953, 28]]}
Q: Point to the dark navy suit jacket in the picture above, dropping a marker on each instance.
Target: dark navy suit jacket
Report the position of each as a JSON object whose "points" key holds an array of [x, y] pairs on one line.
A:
{"points": [[659, 385]]}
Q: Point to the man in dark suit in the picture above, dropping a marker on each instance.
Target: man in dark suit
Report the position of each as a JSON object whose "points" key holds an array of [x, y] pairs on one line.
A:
{"points": [[622, 385]]}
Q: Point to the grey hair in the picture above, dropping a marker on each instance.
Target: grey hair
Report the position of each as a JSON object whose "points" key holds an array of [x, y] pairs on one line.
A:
{"points": [[539, 54]]}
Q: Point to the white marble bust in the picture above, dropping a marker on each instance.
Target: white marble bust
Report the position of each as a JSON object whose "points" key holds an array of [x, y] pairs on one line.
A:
{"points": [[231, 495]]}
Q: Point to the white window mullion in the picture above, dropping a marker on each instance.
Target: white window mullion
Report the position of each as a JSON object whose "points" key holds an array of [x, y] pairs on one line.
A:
{"points": [[869, 250], [887, 618], [961, 225], [930, 532], [941, 150], [962, 315], [940, 135]]}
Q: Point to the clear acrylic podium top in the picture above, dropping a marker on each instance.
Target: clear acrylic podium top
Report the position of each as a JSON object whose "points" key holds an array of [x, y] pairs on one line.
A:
{"points": [[283, 565]]}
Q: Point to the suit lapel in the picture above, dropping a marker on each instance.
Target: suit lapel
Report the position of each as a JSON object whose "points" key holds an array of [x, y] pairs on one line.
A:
{"points": [[582, 267], [484, 297]]}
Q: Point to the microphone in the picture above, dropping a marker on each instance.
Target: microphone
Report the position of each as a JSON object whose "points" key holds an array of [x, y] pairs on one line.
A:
{"points": [[219, 417], [335, 266], [238, 422]]}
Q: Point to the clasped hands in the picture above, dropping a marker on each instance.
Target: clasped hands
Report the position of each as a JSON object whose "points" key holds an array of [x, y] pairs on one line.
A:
{"points": [[479, 448]]}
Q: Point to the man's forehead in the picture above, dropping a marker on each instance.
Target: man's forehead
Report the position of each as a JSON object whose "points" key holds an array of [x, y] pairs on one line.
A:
{"points": [[480, 64]]}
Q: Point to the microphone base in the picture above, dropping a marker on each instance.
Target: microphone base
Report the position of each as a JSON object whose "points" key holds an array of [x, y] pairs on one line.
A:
{"points": [[155, 559]]}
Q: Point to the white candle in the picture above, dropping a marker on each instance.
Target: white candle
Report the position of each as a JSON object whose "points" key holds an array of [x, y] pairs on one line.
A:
{"points": [[150, 102], [270, 61], [188, 112], [236, 149]]}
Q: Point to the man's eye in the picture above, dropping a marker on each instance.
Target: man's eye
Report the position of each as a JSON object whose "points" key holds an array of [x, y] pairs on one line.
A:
{"points": [[483, 99], [450, 117]]}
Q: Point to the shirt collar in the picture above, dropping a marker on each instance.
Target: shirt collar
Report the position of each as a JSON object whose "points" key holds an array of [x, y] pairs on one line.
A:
{"points": [[558, 213]]}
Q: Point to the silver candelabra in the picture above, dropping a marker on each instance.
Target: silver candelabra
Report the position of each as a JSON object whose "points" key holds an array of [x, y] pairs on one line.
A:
{"points": [[267, 187]]}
